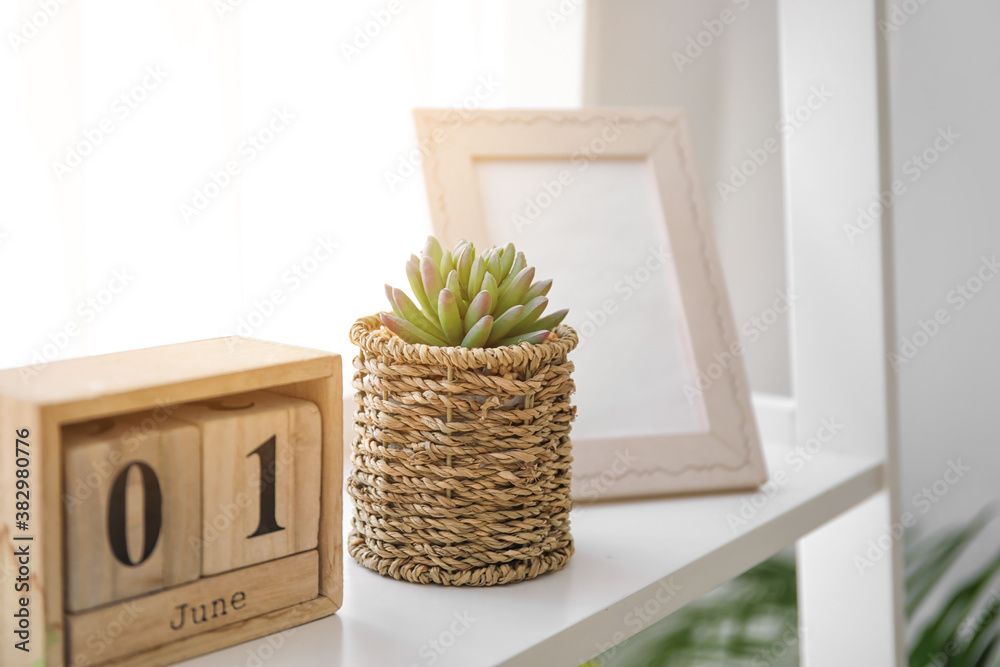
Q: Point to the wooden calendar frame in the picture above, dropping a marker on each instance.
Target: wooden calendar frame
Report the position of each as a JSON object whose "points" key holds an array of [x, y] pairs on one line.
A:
{"points": [[43, 398]]}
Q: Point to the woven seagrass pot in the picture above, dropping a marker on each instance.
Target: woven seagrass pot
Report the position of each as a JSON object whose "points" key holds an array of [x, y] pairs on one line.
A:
{"points": [[461, 462]]}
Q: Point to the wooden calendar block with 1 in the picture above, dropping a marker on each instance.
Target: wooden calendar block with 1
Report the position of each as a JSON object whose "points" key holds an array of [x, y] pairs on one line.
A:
{"points": [[260, 459]]}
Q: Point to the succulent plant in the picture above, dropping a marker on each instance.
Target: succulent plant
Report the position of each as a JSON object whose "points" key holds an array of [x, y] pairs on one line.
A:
{"points": [[469, 300]]}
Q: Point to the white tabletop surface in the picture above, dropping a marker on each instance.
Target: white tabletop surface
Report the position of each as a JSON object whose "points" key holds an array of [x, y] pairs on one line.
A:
{"points": [[635, 563]]}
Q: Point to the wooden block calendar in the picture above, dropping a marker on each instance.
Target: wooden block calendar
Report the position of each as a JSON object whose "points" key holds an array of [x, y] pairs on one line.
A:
{"points": [[164, 503]]}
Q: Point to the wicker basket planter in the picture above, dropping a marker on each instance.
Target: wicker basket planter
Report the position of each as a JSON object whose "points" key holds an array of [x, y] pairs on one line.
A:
{"points": [[461, 462]]}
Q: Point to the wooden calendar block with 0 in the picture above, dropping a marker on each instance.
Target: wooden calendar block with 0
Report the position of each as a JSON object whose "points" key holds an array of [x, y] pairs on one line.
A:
{"points": [[133, 507]]}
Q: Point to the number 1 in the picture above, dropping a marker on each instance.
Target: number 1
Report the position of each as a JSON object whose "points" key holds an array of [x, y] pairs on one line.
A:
{"points": [[266, 454]]}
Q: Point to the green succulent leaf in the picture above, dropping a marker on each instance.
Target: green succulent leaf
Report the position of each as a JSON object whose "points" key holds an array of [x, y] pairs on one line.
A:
{"points": [[532, 311], [446, 265], [541, 288], [476, 275], [410, 312], [479, 332], [534, 338], [493, 265], [519, 265], [503, 324], [516, 289], [417, 284], [491, 286], [454, 284], [408, 332], [451, 321], [395, 309], [553, 320], [465, 266], [433, 250], [507, 257], [433, 284], [478, 309]]}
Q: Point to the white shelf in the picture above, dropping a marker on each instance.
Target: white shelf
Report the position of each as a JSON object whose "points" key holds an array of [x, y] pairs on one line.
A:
{"points": [[626, 553]]}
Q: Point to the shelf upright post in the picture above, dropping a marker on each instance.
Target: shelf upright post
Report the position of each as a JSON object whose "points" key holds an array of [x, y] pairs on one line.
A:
{"points": [[834, 99]]}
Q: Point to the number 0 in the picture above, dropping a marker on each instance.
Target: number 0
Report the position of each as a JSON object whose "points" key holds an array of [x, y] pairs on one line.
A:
{"points": [[153, 515]]}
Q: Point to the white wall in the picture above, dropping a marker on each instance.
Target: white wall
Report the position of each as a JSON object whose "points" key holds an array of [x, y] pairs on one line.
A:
{"points": [[640, 52], [343, 170], [946, 74]]}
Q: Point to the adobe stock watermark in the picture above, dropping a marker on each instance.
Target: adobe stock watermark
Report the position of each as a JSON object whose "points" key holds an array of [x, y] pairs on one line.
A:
{"points": [[787, 125], [121, 108], [227, 514], [974, 622], [655, 258], [923, 502], [435, 647], [86, 312], [223, 8], [550, 191], [249, 149], [958, 298], [101, 470], [265, 650], [898, 14], [99, 641], [753, 329], [593, 487], [915, 167], [795, 461], [562, 13], [641, 616], [776, 654], [701, 42], [408, 164], [366, 33], [292, 280], [32, 24]]}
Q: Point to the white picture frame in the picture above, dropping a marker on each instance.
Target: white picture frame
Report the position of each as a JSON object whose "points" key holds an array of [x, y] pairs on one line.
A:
{"points": [[471, 172]]}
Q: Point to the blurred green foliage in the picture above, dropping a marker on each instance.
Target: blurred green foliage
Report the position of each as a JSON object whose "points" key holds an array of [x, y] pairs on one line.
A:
{"points": [[752, 620]]}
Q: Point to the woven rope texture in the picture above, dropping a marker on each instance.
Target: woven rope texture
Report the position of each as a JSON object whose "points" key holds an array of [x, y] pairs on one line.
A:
{"points": [[461, 459]]}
